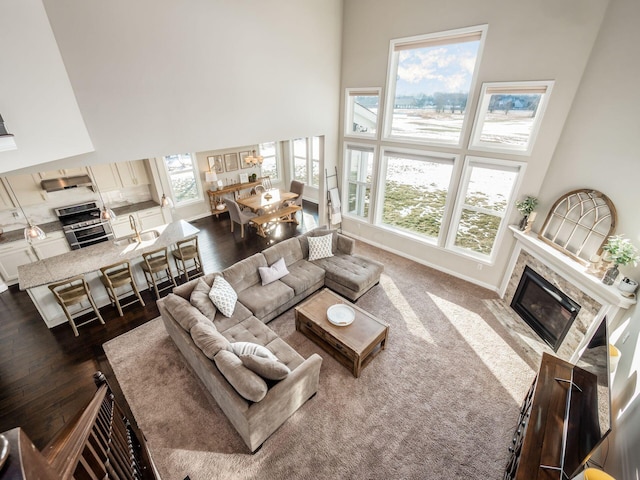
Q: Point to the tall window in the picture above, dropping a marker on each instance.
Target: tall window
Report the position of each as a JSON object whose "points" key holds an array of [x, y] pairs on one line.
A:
{"points": [[509, 115], [485, 195], [361, 112], [430, 79], [269, 167], [416, 187], [182, 174], [359, 166], [306, 155]]}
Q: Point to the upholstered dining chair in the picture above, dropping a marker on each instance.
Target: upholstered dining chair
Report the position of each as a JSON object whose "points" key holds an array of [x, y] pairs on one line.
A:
{"points": [[239, 216], [297, 187]]}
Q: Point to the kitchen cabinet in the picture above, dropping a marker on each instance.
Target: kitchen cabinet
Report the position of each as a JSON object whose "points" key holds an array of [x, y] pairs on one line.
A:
{"points": [[145, 219], [27, 189], [63, 172], [5, 200], [54, 244], [12, 256], [133, 173], [106, 177]]}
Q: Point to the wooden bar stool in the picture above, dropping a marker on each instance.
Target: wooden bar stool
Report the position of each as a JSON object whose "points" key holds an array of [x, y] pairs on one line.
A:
{"points": [[155, 265], [74, 291], [187, 251], [120, 275]]}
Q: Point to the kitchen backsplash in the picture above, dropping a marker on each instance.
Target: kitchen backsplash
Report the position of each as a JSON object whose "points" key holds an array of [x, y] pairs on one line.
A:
{"points": [[44, 212]]}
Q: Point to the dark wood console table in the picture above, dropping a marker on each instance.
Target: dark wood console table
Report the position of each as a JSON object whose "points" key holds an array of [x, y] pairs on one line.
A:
{"points": [[558, 424]]}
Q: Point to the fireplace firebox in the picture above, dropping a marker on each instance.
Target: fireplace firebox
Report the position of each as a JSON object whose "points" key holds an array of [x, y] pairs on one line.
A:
{"points": [[547, 310]]}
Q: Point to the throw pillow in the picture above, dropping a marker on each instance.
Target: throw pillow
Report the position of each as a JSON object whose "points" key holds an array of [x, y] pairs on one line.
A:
{"points": [[200, 299], [248, 348], [320, 247], [223, 296], [275, 272], [183, 312], [208, 339], [265, 367], [247, 383]]}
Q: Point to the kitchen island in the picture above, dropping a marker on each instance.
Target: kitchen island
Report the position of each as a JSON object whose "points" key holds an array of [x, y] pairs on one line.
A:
{"points": [[34, 277]]}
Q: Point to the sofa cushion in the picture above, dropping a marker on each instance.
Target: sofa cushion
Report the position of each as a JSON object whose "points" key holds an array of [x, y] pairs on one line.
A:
{"points": [[244, 273], [247, 383], [274, 272], [317, 232], [320, 247], [262, 300], [289, 249], [352, 271], [200, 299], [185, 314], [265, 367], [185, 289], [223, 296], [302, 276], [250, 330], [250, 348], [208, 339]]}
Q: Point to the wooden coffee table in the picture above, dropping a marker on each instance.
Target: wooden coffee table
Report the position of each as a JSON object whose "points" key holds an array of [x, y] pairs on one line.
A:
{"points": [[355, 345]]}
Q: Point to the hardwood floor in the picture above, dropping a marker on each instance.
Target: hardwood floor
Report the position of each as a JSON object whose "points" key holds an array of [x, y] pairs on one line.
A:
{"points": [[46, 374]]}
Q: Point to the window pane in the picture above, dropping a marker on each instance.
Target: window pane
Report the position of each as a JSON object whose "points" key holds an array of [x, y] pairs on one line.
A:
{"points": [[300, 169], [486, 199], [300, 147], [510, 119], [362, 114], [415, 194], [184, 187], [269, 167], [359, 165], [359, 200], [431, 90]]}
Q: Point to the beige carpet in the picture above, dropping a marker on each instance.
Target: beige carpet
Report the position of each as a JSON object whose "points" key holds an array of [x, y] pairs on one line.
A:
{"points": [[440, 402]]}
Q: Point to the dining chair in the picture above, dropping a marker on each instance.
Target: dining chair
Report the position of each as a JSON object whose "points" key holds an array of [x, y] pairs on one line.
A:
{"points": [[297, 187], [266, 182], [239, 216]]}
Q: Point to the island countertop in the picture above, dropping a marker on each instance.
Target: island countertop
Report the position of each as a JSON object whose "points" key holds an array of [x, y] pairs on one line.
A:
{"points": [[94, 257]]}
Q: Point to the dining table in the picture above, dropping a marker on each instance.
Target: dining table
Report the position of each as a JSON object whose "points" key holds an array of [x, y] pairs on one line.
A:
{"points": [[266, 200]]}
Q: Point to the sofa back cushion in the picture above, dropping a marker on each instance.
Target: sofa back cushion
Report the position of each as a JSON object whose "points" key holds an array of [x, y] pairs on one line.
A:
{"points": [[208, 339], [289, 249], [200, 299], [247, 383], [186, 289], [184, 313], [244, 274]]}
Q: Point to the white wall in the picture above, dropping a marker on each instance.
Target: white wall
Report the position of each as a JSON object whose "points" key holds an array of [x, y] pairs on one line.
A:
{"points": [[600, 149], [542, 40], [36, 98]]}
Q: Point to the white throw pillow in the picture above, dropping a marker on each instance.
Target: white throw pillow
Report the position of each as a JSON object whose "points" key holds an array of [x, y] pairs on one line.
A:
{"points": [[275, 272], [320, 247], [223, 296], [249, 348]]}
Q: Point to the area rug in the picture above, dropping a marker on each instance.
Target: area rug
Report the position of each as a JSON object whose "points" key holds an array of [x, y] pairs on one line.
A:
{"points": [[440, 402]]}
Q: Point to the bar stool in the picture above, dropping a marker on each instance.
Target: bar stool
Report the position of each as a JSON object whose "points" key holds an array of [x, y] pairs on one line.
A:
{"points": [[154, 265], [187, 250], [120, 275], [74, 291]]}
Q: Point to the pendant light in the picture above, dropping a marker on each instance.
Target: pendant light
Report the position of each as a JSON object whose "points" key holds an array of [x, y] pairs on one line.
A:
{"points": [[105, 213], [164, 200], [31, 231]]}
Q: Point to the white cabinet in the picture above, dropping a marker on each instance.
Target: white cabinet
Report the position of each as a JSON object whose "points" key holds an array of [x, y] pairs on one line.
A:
{"points": [[5, 200], [145, 220], [54, 244], [12, 256], [63, 172], [27, 189], [132, 173], [106, 177]]}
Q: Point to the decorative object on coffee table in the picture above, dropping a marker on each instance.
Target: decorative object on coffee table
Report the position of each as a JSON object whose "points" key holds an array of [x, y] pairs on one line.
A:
{"points": [[353, 345], [341, 315], [620, 251]]}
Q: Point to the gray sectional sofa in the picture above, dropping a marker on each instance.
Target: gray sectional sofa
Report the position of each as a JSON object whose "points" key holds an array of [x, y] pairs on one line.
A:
{"points": [[348, 274]]}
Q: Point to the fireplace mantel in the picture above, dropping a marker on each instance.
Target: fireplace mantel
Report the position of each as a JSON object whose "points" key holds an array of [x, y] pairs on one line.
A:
{"points": [[568, 268]]}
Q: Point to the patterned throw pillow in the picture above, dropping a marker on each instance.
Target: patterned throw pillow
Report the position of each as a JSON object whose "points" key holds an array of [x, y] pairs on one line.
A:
{"points": [[249, 348], [320, 247], [274, 272], [223, 296]]}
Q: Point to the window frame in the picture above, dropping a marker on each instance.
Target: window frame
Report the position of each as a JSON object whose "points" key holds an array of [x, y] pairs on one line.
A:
{"points": [[522, 87], [349, 94], [277, 157], [380, 194], [346, 182], [392, 73], [309, 160], [196, 174], [470, 161]]}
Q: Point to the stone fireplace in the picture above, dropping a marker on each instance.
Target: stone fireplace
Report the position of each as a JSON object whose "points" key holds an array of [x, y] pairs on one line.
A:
{"points": [[559, 277]]}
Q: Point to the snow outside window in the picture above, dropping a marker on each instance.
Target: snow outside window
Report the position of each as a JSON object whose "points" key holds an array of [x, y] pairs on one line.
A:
{"points": [[181, 171], [269, 167], [362, 107]]}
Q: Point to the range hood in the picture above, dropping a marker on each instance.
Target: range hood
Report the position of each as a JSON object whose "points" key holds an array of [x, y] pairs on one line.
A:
{"points": [[65, 183]]}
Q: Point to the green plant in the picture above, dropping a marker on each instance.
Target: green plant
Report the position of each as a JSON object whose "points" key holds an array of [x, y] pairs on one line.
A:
{"points": [[621, 251], [528, 205]]}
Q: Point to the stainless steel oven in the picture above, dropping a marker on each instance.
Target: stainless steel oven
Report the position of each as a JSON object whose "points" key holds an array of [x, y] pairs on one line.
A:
{"points": [[83, 226]]}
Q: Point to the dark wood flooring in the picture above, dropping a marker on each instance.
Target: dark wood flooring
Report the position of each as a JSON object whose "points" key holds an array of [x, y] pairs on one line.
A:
{"points": [[46, 374]]}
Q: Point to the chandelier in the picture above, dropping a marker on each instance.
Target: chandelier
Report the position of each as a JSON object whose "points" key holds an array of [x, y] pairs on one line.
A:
{"points": [[253, 159]]}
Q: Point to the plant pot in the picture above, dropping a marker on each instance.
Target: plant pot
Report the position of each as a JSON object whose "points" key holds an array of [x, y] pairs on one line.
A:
{"points": [[523, 223], [610, 275], [628, 287]]}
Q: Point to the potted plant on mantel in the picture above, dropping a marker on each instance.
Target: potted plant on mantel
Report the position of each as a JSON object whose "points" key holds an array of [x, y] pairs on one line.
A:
{"points": [[526, 208], [620, 251]]}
